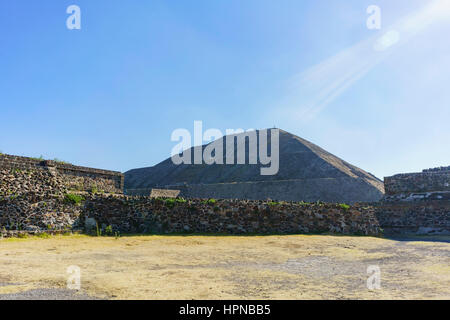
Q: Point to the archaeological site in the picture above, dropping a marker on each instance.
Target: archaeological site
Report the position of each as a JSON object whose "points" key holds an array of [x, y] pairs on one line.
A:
{"points": [[314, 192]]}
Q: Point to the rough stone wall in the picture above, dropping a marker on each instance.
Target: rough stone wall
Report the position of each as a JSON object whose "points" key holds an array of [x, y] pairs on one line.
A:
{"points": [[164, 193], [141, 214], [416, 203], [439, 169], [36, 201], [73, 177], [427, 181], [420, 217]]}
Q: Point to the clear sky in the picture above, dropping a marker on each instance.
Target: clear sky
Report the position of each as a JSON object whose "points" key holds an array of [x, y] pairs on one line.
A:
{"points": [[110, 95]]}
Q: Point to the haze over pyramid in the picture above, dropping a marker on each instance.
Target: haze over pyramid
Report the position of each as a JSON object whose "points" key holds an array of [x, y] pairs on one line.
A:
{"points": [[306, 172]]}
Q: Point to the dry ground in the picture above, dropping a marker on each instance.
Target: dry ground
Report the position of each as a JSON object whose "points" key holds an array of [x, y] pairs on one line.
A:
{"points": [[225, 267]]}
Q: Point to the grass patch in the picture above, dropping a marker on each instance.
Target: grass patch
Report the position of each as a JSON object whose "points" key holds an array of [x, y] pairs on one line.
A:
{"points": [[72, 198], [94, 190], [170, 203], [210, 201], [43, 235]]}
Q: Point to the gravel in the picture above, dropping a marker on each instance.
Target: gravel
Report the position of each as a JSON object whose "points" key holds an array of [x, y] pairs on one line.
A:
{"points": [[47, 294]]}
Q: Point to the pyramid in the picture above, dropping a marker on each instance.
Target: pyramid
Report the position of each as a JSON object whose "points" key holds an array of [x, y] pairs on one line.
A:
{"points": [[306, 173]]}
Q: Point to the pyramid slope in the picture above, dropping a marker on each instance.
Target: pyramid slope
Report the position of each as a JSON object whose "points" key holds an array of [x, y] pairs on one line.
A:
{"points": [[300, 160]]}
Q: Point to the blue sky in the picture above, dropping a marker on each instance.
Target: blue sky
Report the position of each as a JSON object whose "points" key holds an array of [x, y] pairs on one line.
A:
{"points": [[110, 95]]}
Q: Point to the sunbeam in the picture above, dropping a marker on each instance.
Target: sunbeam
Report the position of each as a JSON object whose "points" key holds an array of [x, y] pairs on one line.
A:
{"points": [[320, 85]]}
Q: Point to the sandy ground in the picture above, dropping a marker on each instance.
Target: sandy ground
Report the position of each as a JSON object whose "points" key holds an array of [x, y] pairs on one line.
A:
{"points": [[224, 267]]}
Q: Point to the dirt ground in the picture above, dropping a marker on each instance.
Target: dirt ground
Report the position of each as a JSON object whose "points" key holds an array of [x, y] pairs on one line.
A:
{"points": [[225, 267]]}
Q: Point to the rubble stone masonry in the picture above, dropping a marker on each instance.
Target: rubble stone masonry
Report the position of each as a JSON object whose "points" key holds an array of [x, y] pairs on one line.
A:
{"points": [[39, 196], [73, 177], [38, 201], [430, 180]]}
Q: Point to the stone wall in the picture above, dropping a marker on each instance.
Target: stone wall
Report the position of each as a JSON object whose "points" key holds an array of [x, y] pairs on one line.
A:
{"points": [[420, 217], [34, 201], [431, 180], [164, 193], [73, 177], [37, 201], [438, 169], [143, 215], [416, 203]]}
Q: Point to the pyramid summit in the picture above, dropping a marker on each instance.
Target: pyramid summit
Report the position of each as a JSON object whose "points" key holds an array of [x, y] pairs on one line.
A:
{"points": [[306, 173]]}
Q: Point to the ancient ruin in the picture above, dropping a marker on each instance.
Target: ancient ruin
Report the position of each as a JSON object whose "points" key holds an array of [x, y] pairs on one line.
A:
{"points": [[306, 173], [431, 184], [38, 196]]}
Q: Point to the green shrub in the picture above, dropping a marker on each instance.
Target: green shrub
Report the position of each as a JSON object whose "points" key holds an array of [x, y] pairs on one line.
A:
{"points": [[94, 190], [72, 198], [273, 203], [344, 206], [43, 235], [109, 230], [212, 201], [170, 203]]}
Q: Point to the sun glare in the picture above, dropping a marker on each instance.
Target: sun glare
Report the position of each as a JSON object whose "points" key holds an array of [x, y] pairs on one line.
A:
{"points": [[440, 9]]}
